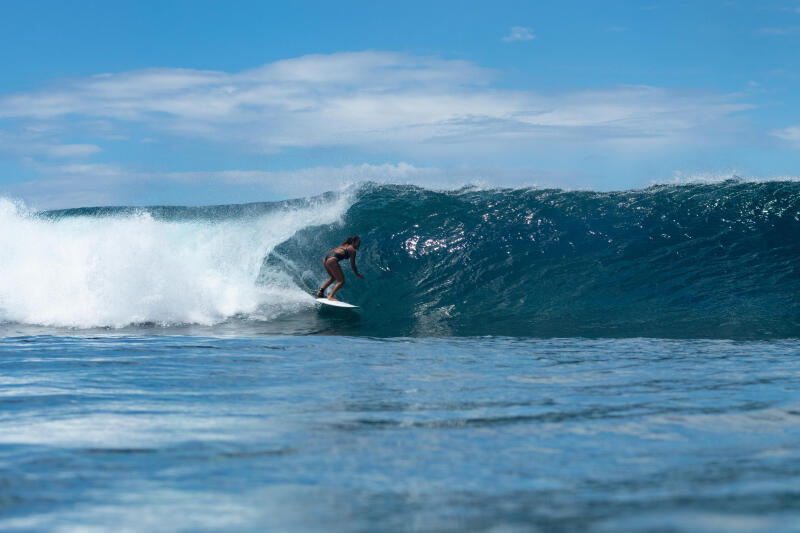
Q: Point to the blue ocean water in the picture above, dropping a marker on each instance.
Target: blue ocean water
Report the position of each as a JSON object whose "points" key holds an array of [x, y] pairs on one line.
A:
{"points": [[162, 433], [522, 360]]}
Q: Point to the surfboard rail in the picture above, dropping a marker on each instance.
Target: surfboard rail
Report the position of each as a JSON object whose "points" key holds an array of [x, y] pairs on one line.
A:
{"points": [[336, 303]]}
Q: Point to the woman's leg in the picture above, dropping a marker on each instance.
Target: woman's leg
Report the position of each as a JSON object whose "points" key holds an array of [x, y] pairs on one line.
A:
{"points": [[336, 273], [321, 292]]}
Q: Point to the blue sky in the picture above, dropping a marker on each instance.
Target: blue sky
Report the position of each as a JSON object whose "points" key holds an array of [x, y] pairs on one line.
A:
{"points": [[201, 102]]}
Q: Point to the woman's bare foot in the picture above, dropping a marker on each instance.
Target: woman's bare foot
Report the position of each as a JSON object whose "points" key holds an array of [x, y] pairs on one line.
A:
{"points": [[331, 298]]}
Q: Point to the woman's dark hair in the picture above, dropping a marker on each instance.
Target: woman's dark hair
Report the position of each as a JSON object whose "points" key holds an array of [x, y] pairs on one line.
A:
{"points": [[351, 240]]}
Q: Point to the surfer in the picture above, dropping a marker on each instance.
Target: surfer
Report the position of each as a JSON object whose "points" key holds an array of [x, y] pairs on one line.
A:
{"points": [[346, 250]]}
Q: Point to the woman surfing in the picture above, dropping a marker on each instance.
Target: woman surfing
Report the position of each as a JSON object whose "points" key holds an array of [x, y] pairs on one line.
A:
{"points": [[346, 250]]}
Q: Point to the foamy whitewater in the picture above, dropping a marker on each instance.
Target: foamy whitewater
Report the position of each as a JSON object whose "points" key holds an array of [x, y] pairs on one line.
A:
{"points": [[521, 360], [127, 268]]}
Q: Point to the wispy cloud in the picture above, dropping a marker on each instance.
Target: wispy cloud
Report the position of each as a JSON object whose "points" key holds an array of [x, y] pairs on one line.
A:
{"points": [[368, 105], [72, 150], [792, 9], [519, 33], [74, 185], [366, 101], [778, 31], [42, 141], [790, 134]]}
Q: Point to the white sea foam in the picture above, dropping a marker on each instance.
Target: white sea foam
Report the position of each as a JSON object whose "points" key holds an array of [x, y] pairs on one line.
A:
{"points": [[712, 178], [88, 271]]}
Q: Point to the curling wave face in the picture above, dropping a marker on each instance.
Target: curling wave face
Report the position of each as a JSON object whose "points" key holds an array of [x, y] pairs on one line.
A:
{"points": [[694, 260], [687, 261]]}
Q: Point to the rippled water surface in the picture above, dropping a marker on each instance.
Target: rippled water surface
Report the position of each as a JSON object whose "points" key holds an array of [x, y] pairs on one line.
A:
{"points": [[164, 433]]}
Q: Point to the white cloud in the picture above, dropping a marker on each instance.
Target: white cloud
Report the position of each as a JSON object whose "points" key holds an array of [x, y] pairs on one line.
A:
{"points": [[304, 181], [316, 180], [75, 185], [519, 33], [790, 134], [370, 101], [87, 171], [72, 150], [40, 140]]}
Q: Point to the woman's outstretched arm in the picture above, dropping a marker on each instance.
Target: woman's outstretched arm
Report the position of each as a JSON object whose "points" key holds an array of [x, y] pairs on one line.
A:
{"points": [[353, 263]]}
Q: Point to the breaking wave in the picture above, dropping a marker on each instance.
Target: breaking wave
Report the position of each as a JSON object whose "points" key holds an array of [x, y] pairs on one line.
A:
{"points": [[691, 260]]}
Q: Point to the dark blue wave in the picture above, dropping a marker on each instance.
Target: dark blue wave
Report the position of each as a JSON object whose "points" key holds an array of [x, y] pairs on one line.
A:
{"points": [[681, 261]]}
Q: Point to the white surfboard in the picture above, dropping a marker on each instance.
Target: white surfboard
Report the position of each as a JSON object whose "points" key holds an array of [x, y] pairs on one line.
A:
{"points": [[336, 303]]}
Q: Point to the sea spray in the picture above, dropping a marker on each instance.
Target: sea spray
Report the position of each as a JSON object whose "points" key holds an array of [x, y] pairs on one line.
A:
{"points": [[119, 267]]}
